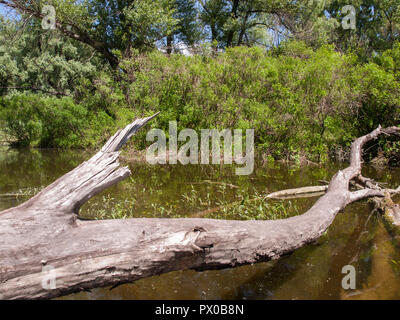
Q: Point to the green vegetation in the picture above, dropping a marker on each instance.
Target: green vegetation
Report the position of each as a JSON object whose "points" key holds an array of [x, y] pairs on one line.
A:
{"points": [[286, 69], [44, 121], [217, 205]]}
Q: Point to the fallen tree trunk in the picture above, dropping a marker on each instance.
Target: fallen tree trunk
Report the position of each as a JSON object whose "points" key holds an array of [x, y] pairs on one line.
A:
{"points": [[46, 231]]}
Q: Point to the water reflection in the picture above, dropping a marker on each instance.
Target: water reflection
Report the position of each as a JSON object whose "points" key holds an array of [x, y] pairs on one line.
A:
{"points": [[314, 272]]}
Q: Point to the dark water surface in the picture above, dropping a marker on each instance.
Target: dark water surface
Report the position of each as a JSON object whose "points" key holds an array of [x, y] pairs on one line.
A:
{"points": [[356, 237]]}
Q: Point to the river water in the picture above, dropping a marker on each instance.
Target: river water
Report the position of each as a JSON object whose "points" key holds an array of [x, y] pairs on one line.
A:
{"points": [[356, 237]]}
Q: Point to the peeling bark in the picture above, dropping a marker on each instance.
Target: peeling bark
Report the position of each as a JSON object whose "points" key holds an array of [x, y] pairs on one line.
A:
{"points": [[46, 230]]}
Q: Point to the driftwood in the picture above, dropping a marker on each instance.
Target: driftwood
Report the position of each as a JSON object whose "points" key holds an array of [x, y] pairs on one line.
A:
{"points": [[46, 231], [389, 210]]}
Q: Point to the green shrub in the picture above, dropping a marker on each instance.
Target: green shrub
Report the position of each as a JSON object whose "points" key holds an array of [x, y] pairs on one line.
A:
{"points": [[43, 121], [301, 102]]}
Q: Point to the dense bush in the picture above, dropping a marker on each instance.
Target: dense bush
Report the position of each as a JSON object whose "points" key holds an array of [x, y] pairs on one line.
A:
{"points": [[43, 121], [301, 102]]}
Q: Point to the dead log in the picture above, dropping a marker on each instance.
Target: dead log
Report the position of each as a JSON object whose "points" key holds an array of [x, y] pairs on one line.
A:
{"points": [[46, 231], [389, 210], [302, 192]]}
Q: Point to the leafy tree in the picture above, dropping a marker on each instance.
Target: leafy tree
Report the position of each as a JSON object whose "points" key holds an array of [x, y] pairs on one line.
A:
{"points": [[112, 28], [267, 22], [377, 25], [188, 31], [44, 61]]}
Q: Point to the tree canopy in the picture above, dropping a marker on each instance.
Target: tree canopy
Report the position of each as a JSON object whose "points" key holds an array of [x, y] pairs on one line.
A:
{"points": [[115, 28]]}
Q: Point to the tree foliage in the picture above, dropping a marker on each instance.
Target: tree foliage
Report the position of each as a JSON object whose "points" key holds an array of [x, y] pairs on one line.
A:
{"points": [[286, 68], [33, 59]]}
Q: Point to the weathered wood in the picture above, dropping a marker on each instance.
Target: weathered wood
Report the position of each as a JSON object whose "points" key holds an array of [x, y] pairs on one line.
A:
{"points": [[384, 205], [46, 230], [297, 192], [389, 209]]}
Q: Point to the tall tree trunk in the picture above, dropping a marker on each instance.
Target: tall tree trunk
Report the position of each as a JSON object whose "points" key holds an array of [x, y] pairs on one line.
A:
{"points": [[230, 34], [169, 43]]}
